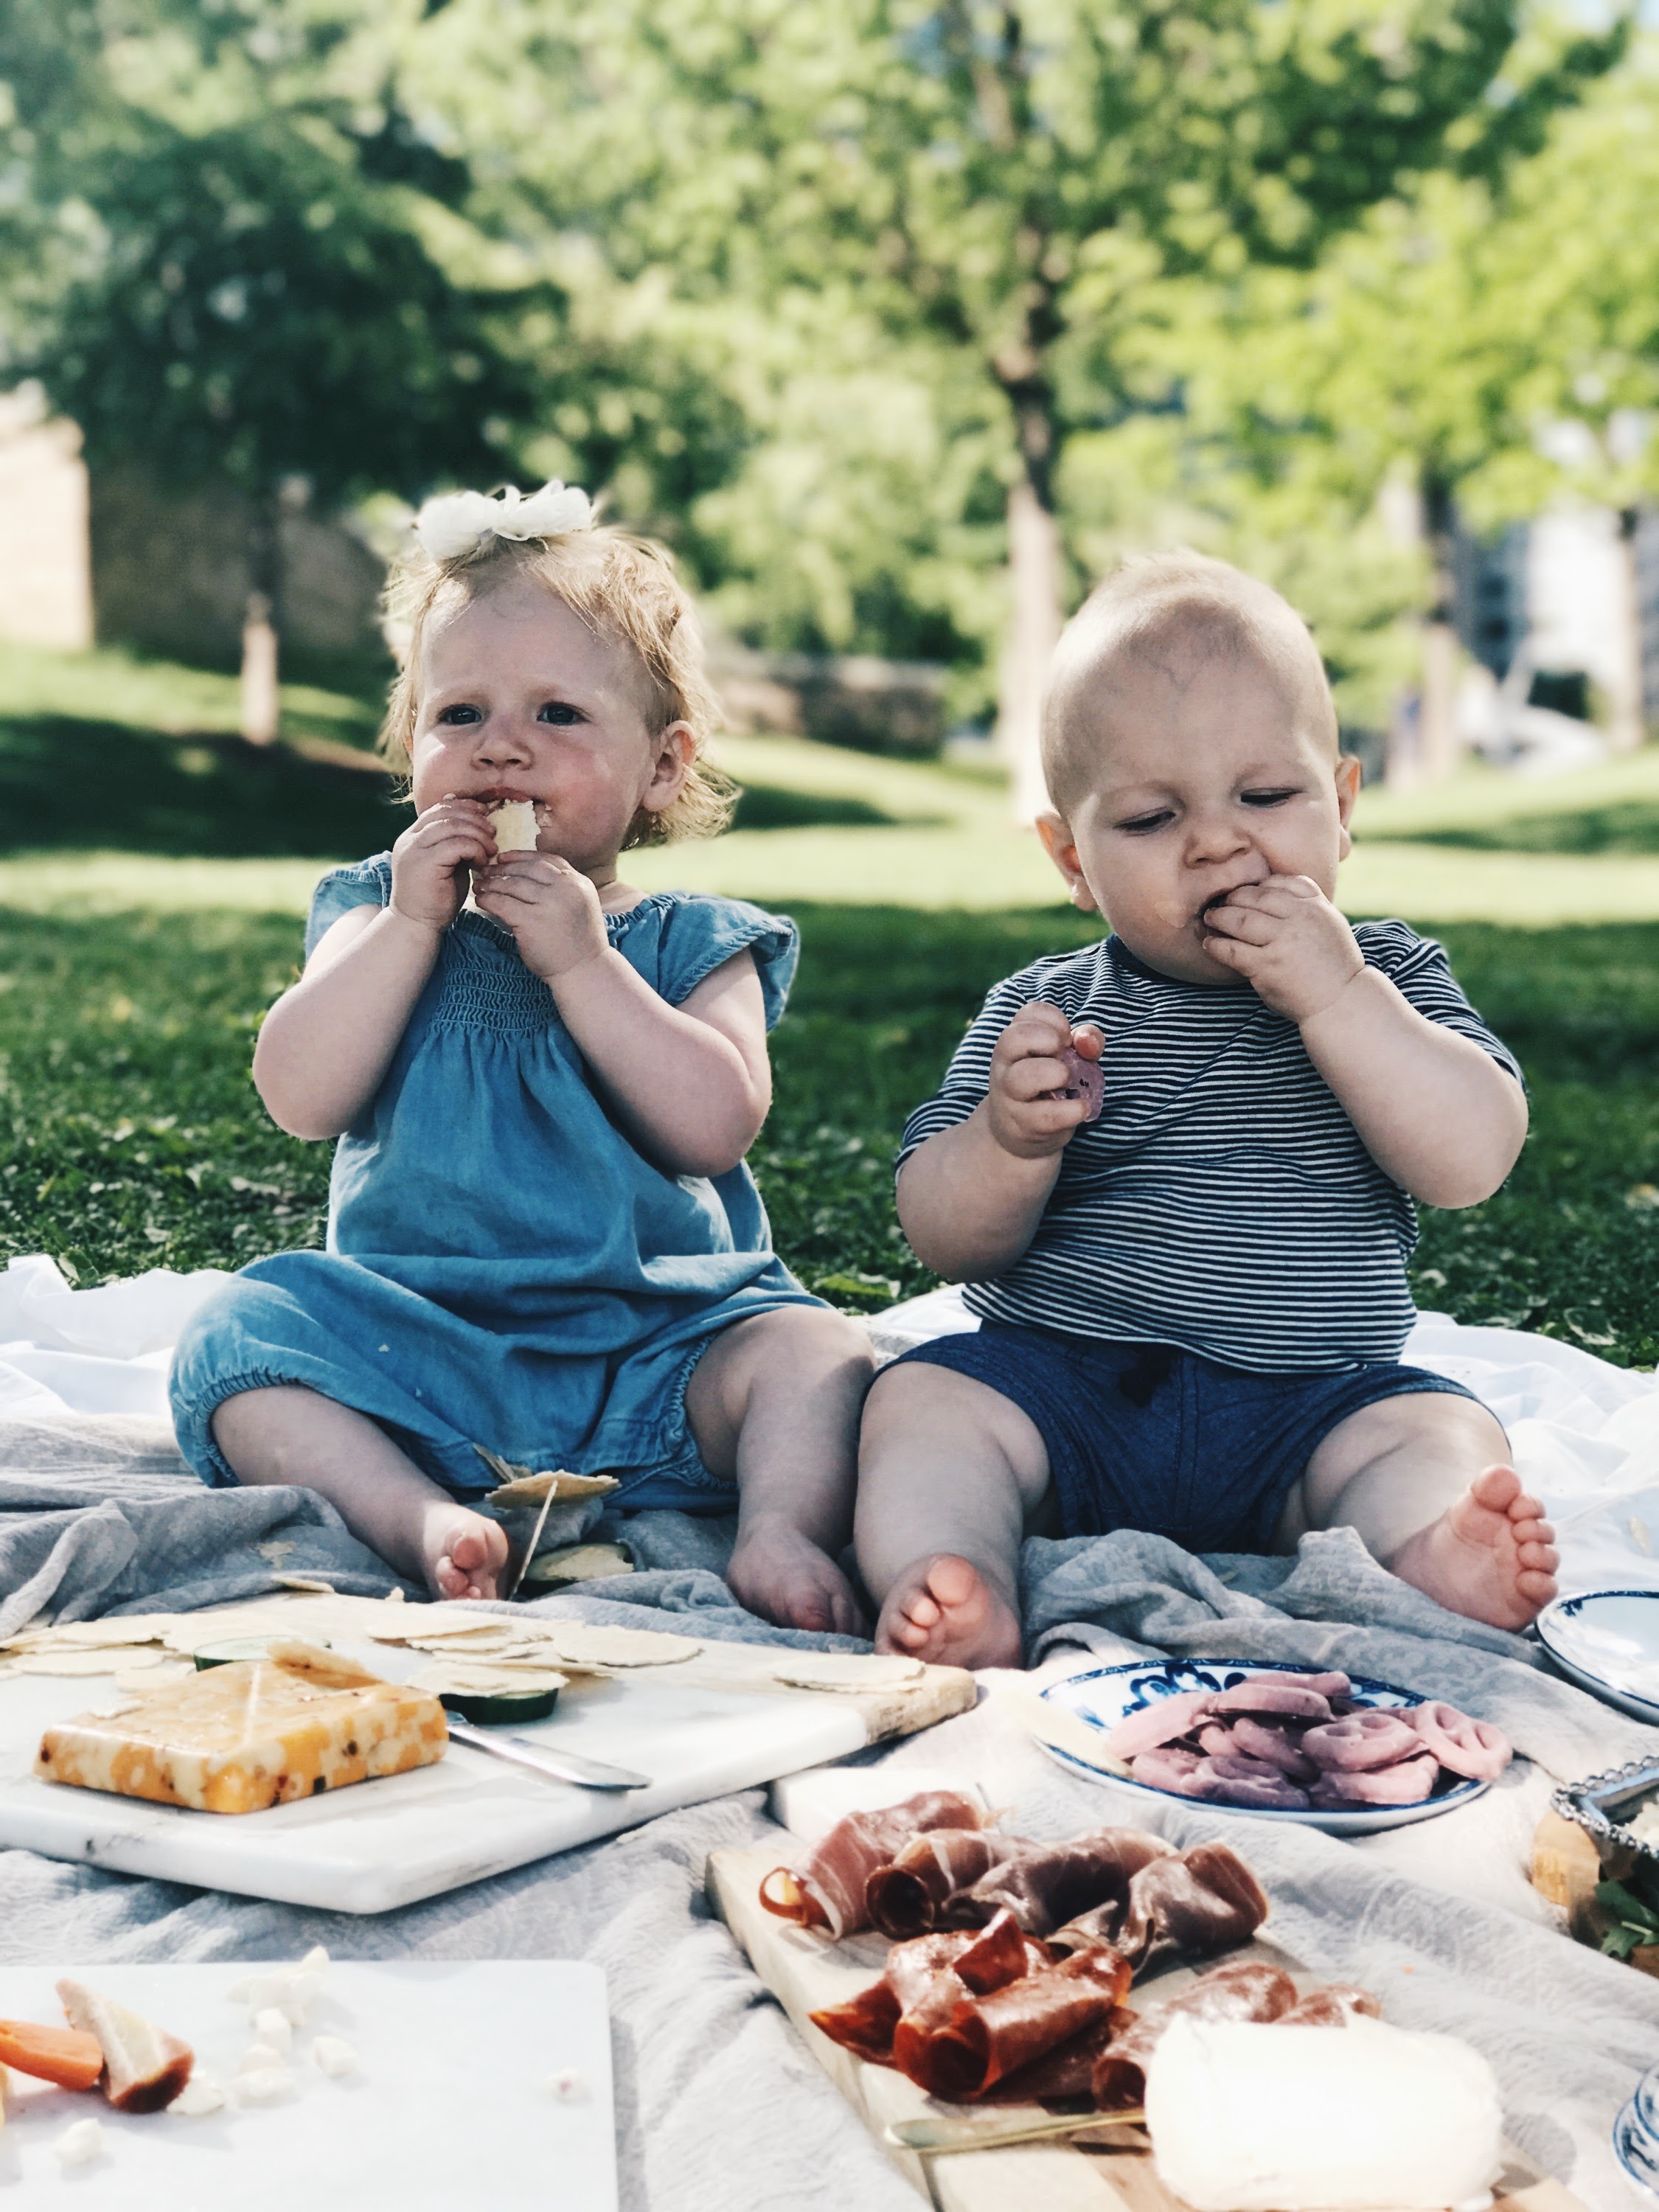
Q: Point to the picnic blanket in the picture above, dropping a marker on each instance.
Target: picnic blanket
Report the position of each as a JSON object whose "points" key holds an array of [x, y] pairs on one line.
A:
{"points": [[720, 2107]]}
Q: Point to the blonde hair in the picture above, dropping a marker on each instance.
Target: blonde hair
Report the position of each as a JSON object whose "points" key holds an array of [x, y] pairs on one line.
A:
{"points": [[1169, 610], [625, 589]]}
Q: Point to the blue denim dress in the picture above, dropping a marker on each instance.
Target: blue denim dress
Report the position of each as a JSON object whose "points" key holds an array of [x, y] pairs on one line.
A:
{"points": [[503, 1267]]}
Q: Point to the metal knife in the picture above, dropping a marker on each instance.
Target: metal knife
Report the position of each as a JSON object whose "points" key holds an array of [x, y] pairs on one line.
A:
{"points": [[559, 1765]]}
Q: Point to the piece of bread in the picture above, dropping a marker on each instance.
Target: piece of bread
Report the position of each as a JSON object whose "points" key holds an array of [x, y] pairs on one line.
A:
{"points": [[144, 2067], [513, 821]]}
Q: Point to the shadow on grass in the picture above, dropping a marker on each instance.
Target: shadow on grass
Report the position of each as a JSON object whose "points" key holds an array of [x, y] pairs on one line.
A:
{"points": [[1629, 826], [65, 781]]}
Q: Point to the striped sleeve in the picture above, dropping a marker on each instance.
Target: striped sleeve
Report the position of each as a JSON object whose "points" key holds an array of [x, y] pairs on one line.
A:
{"points": [[1419, 971]]}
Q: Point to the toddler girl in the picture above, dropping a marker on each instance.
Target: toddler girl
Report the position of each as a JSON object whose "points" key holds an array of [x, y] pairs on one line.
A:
{"points": [[542, 1238]]}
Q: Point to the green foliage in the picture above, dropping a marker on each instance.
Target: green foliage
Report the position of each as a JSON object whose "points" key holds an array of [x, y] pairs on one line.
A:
{"points": [[1634, 1905]]}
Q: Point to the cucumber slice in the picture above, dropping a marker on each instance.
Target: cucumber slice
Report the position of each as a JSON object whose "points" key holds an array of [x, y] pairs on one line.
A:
{"points": [[499, 1708], [246, 1647]]}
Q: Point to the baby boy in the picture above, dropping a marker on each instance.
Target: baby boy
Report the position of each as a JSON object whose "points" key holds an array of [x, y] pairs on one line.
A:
{"points": [[1192, 1306]]}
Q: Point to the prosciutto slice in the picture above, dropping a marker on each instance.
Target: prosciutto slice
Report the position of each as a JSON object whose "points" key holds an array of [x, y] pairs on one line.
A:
{"points": [[906, 1897], [827, 1890], [1200, 1901], [1045, 1886], [1247, 1989], [988, 2037]]}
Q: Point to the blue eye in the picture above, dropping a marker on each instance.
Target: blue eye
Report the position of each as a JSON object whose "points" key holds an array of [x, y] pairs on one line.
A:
{"points": [[457, 717], [556, 711]]}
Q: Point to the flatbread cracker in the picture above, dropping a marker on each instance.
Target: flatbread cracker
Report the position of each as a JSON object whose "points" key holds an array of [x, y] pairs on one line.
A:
{"points": [[97, 1635], [453, 1678], [532, 1490], [845, 1671], [592, 1643], [580, 1563], [67, 1663]]}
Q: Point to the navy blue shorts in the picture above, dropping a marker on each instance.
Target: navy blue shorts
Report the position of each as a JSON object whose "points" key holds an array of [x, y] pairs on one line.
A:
{"points": [[1147, 1436]]}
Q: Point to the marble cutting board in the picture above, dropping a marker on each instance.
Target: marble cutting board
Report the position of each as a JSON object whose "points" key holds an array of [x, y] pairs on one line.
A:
{"points": [[715, 1724], [449, 2104]]}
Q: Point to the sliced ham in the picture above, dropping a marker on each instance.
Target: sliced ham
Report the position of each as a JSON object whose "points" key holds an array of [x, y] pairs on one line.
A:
{"points": [[988, 2037], [1045, 1886], [827, 1889], [905, 1897]]}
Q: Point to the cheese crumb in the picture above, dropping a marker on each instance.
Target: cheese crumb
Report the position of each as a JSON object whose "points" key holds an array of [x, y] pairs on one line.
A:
{"points": [[264, 2085], [256, 2057], [81, 2144], [274, 2027], [331, 2056], [200, 2095], [567, 2086]]}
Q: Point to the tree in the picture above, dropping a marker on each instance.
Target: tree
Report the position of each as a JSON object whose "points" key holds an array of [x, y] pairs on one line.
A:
{"points": [[255, 296], [1005, 178], [1492, 344]]}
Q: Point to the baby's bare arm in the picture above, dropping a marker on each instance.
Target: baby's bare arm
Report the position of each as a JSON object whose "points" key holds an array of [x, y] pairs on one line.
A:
{"points": [[969, 1200], [326, 1043], [1435, 1111]]}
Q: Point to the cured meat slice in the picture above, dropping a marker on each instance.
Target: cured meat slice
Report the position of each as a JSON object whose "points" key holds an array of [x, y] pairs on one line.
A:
{"points": [[1333, 2006], [994, 2036], [904, 1898], [1273, 1695], [1046, 1885], [1203, 1901], [1062, 2077], [1273, 1741], [1173, 1767], [1247, 1988], [827, 1889], [926, 1979], [1376, 1737], [1083, 1079]]}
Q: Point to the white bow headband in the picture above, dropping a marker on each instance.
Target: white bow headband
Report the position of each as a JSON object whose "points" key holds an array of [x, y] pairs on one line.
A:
{"points": [[455, 521]]}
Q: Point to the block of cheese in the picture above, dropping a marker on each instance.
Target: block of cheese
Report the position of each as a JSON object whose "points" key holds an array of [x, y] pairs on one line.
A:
{"points": [[259, 1732]]}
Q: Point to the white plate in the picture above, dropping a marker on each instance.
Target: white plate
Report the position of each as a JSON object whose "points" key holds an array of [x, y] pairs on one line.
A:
{"points": [[1104, 1695], [449, 2106], [1608, 1642]]}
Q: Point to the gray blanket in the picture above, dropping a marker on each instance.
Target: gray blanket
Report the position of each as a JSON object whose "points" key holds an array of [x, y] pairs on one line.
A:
{"points": [[720, 2108]]}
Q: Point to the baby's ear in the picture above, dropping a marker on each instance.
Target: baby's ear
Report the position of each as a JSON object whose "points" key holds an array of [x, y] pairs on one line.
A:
{"points": [[1349, 771], [1060, 846]]}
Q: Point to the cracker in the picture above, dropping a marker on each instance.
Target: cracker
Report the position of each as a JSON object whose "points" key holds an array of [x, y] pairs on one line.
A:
{"points": [[846, 1671], [98, 1635], [592, 1643], [453, 1678], [142, 1681], [529, 1490], [580, 1563], [66, 1662]]}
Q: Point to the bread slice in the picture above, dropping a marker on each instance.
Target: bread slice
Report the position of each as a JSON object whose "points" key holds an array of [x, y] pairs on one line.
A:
{"points": [[144, 2067]]}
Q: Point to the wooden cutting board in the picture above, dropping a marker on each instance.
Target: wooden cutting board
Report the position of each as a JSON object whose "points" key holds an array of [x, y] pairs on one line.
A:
{"points": [[805, 1973]]}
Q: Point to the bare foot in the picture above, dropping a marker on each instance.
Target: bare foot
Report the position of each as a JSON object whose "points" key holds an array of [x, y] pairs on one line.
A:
{"points": [[1491, 1556], [786, 1577], [942, 1609], [464, 1554]]}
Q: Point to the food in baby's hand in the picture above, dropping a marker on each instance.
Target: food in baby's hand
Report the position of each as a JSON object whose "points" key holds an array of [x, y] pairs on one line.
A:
{"points": [[513, 821], [71, 2059], [144, 2067], [1083, 1080], [1283, 1743], [251, 1735], [1247, 2117]]}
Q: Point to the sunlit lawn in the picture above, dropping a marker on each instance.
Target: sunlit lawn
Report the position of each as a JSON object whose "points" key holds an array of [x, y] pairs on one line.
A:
{"points": [[148, 910]]}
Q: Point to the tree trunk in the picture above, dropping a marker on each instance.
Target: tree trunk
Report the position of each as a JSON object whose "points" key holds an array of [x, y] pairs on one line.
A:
{"points": [[1626, 718], [1439, 746], [261, 712], [1034, 624]]}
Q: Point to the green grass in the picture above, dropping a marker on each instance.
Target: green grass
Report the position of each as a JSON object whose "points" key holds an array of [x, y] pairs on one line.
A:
{"points": [[149, 908]]}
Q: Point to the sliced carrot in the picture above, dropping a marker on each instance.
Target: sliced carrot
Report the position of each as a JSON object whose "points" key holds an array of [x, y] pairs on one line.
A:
{"points": [[62, 2055]]}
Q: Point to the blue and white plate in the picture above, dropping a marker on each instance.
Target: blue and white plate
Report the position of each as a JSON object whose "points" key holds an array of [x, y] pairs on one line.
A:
{"points": [[1102, 1697], [1608, 1641], [1635, 2142]]}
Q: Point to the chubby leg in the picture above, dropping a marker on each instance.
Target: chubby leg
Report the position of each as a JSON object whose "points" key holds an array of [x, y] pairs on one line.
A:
{"points": [[1425, 1479], [949, 1470], [288, 1434], [774, 1406]]}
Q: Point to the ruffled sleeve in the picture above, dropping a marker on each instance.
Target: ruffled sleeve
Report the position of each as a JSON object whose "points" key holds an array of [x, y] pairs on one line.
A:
{"points": [[699, 933], [368, 882]]}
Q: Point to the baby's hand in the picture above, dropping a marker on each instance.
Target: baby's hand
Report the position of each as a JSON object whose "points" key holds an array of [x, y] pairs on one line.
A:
{"points": [[1288, 942], [431, 860], [1027, 1116], [551, 909]]}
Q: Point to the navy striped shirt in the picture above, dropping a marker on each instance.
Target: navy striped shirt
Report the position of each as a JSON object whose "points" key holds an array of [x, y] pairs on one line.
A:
{"points": [[1223, 1201]]}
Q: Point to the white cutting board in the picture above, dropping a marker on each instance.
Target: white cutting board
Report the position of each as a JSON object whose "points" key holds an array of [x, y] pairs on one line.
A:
{"points": [[384, 1843], [450, 2105]]}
